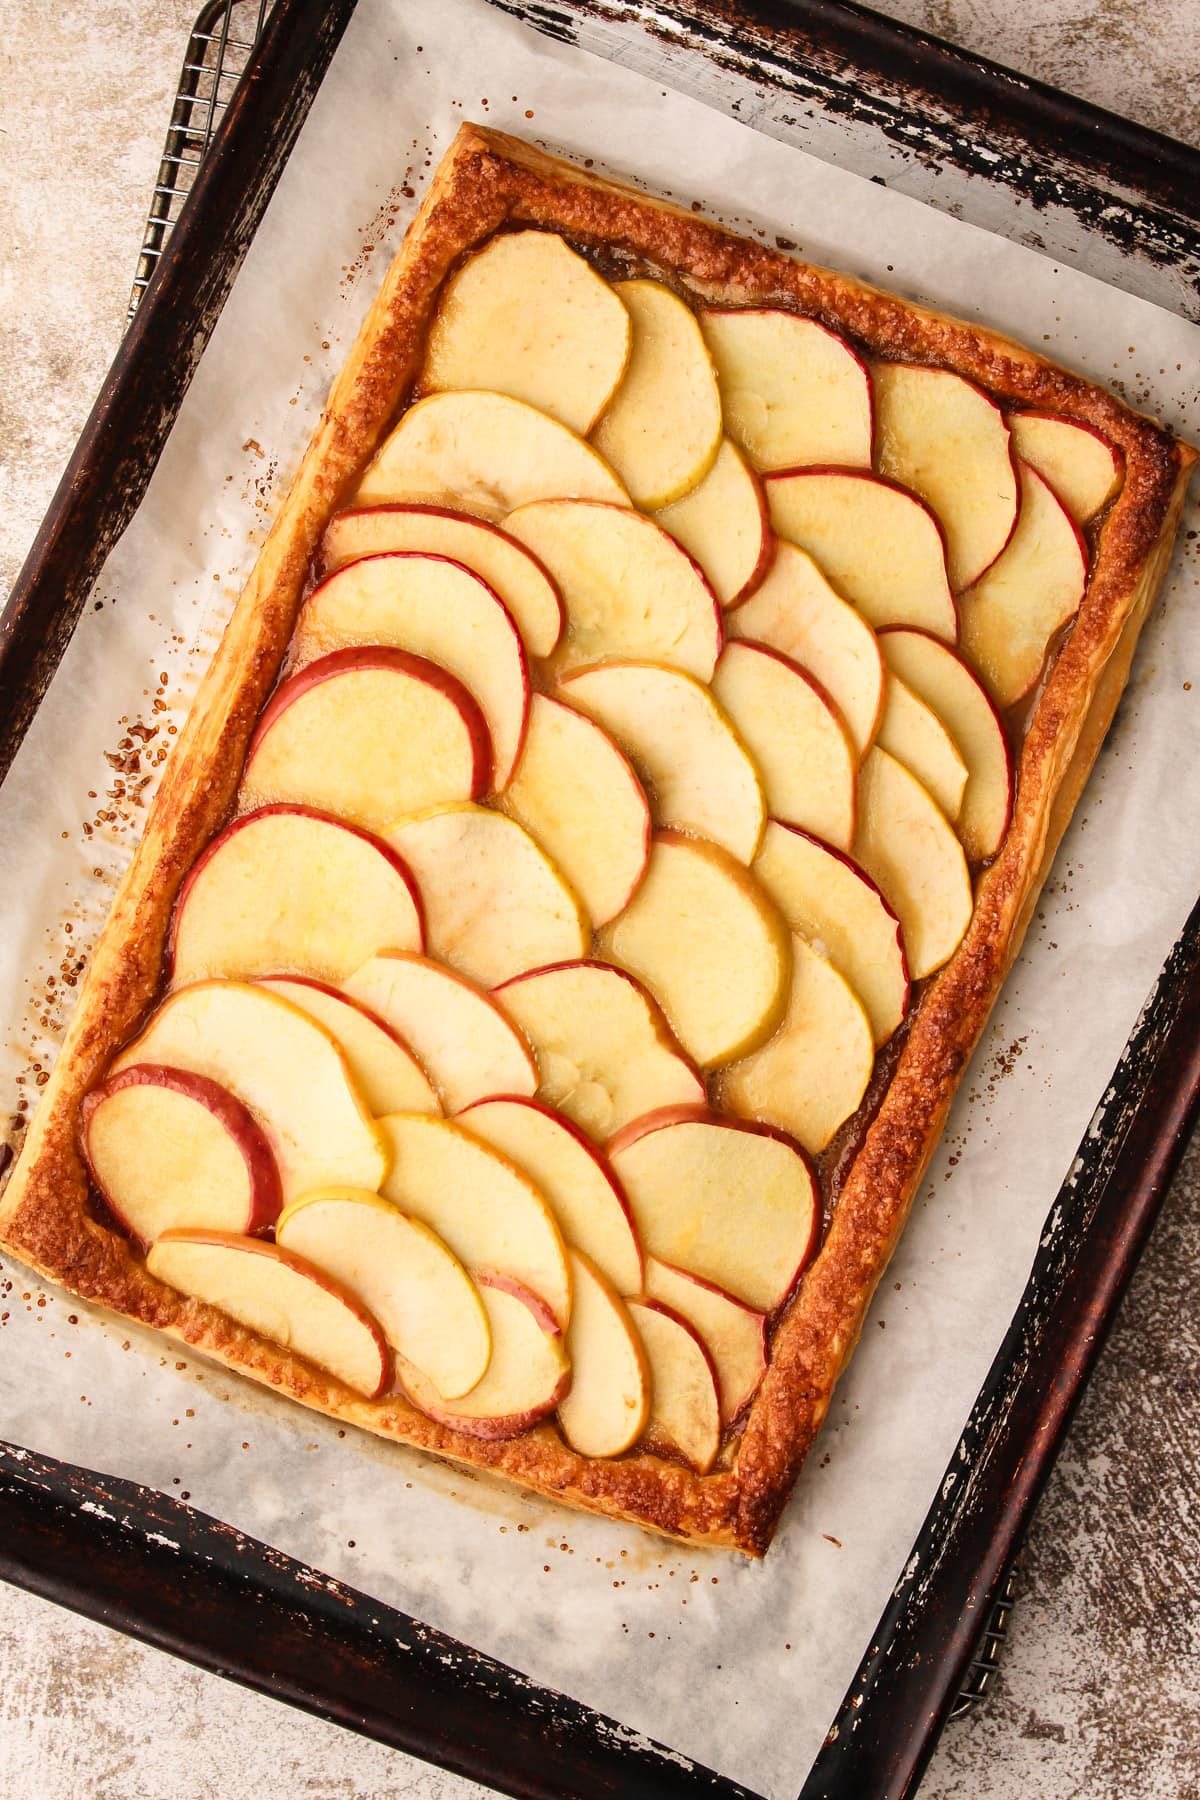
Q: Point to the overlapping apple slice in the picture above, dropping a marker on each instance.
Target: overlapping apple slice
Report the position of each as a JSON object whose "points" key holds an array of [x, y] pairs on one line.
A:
{"points": [[906, 845], [734, 1334], [708, 944], [1010, 616], [286, 890], [628, 588], [798, 739], [464, 1042], [1083, 467], [527, 316], [723, 523], [697, 771], [685, 1408], [528, 1375], [383, 1068], [792, 392], [608, 1405], [662, 430], [167, 1147], [283, 1066], [604, 1051], [436, 609], [878, 544], [280, 1297], [914, 734], [579, 797], [484, 454], [727, 1199], [428, 1306]]}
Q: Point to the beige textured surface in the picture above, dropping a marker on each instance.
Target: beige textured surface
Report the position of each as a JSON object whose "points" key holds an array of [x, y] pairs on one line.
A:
{"points": [[1098, 1699]]}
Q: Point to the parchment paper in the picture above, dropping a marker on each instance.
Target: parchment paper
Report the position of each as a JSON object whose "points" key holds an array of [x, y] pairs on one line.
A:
{"points": [[738, 1665]]}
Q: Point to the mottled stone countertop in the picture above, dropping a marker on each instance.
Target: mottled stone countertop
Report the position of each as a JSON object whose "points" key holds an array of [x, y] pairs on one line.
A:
{"points": [[1099, 1698]]}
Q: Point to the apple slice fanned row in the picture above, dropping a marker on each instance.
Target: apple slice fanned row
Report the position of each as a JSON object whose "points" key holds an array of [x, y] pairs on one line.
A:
{"points": [[527, 1376], [724, 524], [685, 1406], [734, 1334], [383, 1068], [913, 733], [1082, 467], [793, 392], [908, 847], [607, 1407]]}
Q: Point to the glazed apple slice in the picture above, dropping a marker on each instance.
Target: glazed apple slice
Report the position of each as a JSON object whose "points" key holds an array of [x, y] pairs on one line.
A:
{"points": [[436, 609], [1083, 467], [608, 1405], [831, 902], [527, 1377], [734, 1334], [879, 545], [516, 577], [662, 430], [1010, 616], [627, 587], [792, 392], [729, 1200], [427, 1305], [947, 440], [527, 316], [170, 1148], [383, 1068], [811, 1076], [285, 889], [708, 944], [463, 1041], [604, 1051], [723, 523], [964, 706], [685, 1409], [797, 738], [578, 795], [279, 1063], [494, 903], [584, 1194], [906, 845], [366, 734], [913, 733], [484, 454], [796, 612], [279, 1297]]}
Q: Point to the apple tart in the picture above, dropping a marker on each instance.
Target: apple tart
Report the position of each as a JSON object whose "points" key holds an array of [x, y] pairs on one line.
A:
{"points": [[596, 846]]}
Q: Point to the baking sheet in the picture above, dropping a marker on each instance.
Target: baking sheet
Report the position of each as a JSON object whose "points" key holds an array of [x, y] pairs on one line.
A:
{"points": [[741, 1667]]}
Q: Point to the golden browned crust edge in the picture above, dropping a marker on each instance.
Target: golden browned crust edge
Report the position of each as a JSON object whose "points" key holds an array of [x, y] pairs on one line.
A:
{"points": [[488, 180]]}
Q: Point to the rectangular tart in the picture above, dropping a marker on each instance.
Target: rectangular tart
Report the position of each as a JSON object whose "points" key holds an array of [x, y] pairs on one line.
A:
{"points": [[1055, 662]]}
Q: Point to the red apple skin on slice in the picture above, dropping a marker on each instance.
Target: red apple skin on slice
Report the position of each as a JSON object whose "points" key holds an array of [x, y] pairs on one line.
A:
{"points": [[528, 1377], [908, 847], [913, 733], [388, 1075], [279, 1297], [723, 523], [169, 1148], [734, 1334], [685, 1409], [792, 391], [608, 1405], [1082, 467]]}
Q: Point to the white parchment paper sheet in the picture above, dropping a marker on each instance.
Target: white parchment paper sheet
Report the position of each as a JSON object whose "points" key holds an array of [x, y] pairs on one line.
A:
{"points": [[736, 1665]]}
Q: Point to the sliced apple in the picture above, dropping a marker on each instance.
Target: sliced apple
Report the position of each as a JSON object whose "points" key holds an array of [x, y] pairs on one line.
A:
{"points": [[484, 454], [1083, 467], [383, 1068], [906, 845], [947, 440], [685, 1409], [792, 392], [463, 1041], [662, 430], [527, 316], [964, 706], [1009, 617], [608, 1405], [796, 612], [285, 889], [697, 772], [811, 1076], [509, 570], [708, 944], [494, 903], [282, 1065], [366, 734], [913, 733], [723, 523], [734, 1334], [584, 1194], [528, 1376], [170, 1148], [839, 909], [627, 587], [729, 1200], [279, 1297], [428, 1306], [880, 546], [436, 609], [604, 1051]]}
